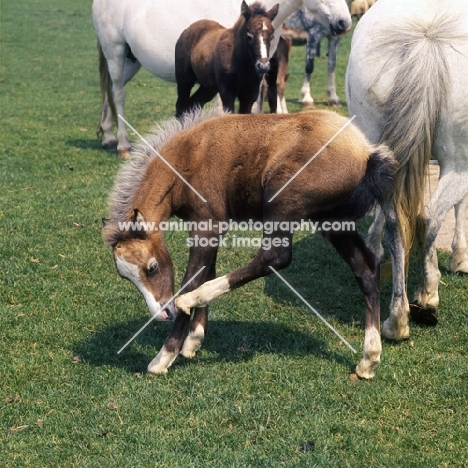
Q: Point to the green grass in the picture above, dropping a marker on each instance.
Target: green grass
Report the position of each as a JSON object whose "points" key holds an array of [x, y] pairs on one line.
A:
{"points": [[269, 377]]}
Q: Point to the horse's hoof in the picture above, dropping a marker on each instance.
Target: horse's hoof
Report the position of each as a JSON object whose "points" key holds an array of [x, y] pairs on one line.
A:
{"points": [[423, 316], [110, 145], [157, 370], [334, 103], [460, 267], [365, 369], [308, 105], [124, 153], [391, 332]]}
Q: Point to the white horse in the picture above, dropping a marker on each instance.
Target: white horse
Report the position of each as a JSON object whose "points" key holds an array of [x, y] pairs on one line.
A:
{"points": [[407, 85], [135, 33]]}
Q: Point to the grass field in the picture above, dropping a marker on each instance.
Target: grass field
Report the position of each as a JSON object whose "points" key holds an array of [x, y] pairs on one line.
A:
{"points": [[270, 376]]}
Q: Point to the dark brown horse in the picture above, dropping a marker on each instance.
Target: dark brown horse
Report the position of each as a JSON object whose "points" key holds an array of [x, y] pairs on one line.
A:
{"points": [[268, 168], [231, 62]]}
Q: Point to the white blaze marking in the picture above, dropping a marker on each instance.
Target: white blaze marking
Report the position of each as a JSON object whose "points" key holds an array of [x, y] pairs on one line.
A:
{"points": [[131, 272], [263, 49]]}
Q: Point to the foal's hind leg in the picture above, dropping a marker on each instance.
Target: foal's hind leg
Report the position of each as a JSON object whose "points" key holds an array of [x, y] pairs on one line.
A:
{"points": [[459, 260], [365, 267]]}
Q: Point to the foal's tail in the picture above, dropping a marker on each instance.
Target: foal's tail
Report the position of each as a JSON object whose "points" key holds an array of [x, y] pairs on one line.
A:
{"points": [[105, 82], [375, 187], [412, 110]]}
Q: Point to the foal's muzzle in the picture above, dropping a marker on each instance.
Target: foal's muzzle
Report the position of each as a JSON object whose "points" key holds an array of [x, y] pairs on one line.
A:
{"points": [[262, 66], [165, 314]]}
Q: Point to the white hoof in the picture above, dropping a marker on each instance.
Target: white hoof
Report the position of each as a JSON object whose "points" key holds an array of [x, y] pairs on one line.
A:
{"points": [[460, 266], [162, 362], [365, 369], [193, 342]]}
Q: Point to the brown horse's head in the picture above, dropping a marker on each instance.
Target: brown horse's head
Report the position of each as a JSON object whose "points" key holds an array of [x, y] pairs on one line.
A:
{"points": [[141, 257], [259, 33]]}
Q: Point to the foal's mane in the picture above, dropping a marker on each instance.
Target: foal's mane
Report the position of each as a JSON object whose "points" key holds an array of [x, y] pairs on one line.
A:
{"points": [[131, 175], [256, 8]]}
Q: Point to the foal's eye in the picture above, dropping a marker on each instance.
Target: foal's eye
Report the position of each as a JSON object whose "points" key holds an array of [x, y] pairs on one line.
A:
{"points": [[250, 38], [152, 267]]}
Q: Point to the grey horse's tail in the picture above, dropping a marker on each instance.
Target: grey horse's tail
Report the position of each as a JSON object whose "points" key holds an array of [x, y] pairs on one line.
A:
{"points": [[412, 110]]}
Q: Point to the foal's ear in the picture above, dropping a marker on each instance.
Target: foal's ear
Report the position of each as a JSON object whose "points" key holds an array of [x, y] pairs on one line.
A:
{"points": [[105, 222], [140, 231], [137, 216], [273, 12], [245, 10]]}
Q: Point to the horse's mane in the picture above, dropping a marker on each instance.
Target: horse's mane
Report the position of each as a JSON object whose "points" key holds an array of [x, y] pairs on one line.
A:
{"points": [[131, 174], [257, 8]]}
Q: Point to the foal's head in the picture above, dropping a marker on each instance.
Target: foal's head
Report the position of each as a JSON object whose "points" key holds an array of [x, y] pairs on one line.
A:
{"points": [[141, 257], [259, 33]]}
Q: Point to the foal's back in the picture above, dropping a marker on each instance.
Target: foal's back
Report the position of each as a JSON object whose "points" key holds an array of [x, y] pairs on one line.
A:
{"points": [[240, 155]]}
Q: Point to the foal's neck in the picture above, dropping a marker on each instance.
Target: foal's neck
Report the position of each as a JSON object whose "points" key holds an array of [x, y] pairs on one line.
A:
{"points": [[154, 198]]}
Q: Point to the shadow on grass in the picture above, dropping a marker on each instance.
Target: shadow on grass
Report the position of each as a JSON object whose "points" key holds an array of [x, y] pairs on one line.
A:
{"points": [[94, 144], [226, 341], [319, 274]]}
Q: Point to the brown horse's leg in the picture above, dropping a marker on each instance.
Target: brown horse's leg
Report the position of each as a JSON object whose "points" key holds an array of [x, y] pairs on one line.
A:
{"points": [[366, 269], [199, 256], [185, 83], [199, 98]]}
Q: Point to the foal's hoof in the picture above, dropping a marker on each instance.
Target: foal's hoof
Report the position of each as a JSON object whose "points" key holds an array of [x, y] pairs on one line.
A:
{"points": [[423, 316], [124, 153]]}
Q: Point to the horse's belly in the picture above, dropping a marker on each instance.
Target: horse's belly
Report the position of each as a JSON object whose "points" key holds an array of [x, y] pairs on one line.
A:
{"points": [[152, 33]]}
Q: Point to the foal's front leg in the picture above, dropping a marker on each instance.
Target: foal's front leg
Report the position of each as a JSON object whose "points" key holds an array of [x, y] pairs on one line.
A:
{"points": [[276, 257], [197, 332], [174, 343]]}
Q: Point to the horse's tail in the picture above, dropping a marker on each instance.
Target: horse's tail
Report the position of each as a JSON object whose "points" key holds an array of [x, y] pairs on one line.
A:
{"points": [[105, 83], [411, 113]]}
